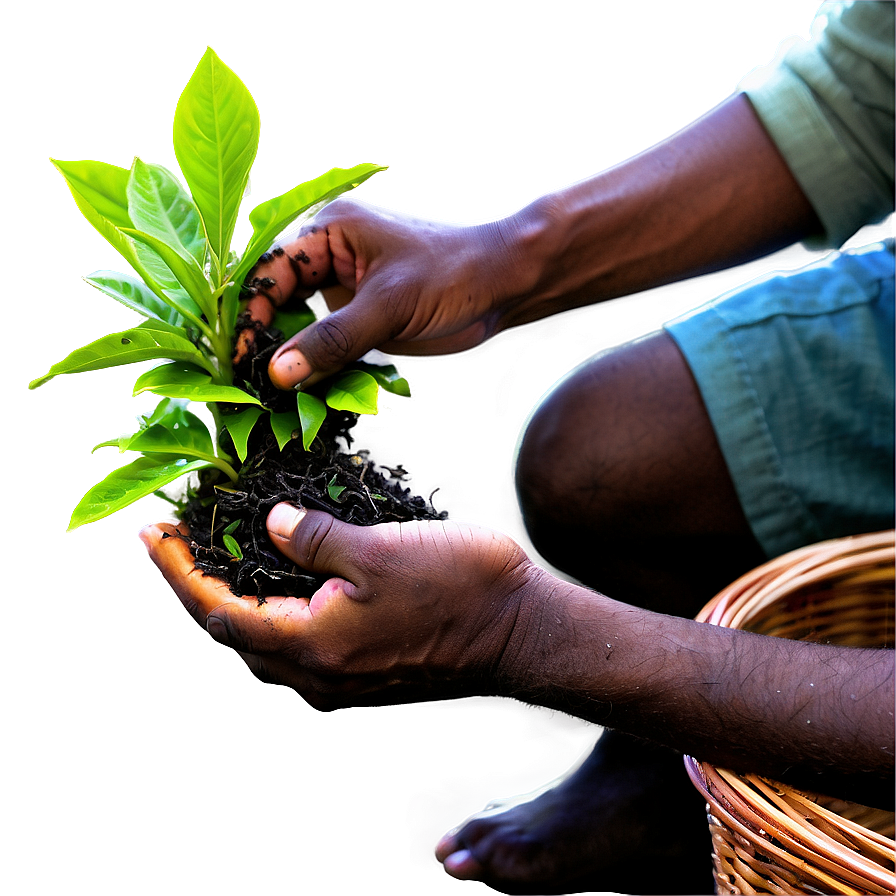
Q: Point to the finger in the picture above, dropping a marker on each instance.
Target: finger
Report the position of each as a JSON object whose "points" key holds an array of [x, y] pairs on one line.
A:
{"points": [[200, 594], [296, 268], [262, 629], [261, 310], [278, 623], [320, 543], [325, 347]]}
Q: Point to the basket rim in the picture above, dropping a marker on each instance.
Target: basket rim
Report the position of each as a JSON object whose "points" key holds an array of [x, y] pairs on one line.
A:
{"points": [[859, 560]]}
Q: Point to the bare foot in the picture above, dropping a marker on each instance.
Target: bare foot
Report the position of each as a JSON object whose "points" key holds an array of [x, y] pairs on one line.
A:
{"points": [[627, 820]]}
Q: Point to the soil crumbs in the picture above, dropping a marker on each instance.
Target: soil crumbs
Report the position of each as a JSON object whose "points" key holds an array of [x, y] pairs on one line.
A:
{"points": [[329, 477]]}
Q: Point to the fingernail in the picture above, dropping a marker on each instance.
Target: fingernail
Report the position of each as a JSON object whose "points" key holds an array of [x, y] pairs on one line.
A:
{"points": [[145, 537], [216, 628], [283, 519], [289, 369]]}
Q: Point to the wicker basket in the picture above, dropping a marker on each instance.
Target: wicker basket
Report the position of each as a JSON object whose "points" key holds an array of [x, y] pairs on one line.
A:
{"points": [[768, 837]]}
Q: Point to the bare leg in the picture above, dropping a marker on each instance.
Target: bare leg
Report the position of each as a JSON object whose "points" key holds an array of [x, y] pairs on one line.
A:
{"points": [[622, 485]]}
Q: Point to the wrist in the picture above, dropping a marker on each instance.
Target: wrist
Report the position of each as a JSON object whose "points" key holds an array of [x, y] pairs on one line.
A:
{"points": [[538, 659], [567, 247], [517, 252]]}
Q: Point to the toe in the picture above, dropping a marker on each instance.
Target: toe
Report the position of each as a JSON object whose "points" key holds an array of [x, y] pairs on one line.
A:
{"points": [[448, 845], [463, 865]]}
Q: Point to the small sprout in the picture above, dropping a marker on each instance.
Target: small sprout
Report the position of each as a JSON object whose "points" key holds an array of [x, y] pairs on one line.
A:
{"points": [[333, 490], [231, 544]]}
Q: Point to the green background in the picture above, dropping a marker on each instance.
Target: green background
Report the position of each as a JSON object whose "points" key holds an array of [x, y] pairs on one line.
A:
{"points": [[140, 756]]}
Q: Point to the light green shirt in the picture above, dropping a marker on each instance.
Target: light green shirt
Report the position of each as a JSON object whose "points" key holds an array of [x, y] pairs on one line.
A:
{"points": [[828, 106]]}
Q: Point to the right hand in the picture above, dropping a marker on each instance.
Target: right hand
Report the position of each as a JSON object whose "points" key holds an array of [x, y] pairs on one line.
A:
{"points": [[394, 283]]}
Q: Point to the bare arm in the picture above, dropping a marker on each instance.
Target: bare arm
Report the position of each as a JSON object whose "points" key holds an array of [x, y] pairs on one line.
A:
{"points": [[713, 195], [817, 715], [435, 610], [716, 194]]}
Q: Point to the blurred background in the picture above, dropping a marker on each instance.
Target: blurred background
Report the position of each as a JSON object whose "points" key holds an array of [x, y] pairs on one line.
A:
{"points": [[140, 756]]}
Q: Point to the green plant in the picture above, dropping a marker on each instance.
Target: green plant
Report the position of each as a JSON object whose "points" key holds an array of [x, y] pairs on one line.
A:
{"points": [[188, 287]]}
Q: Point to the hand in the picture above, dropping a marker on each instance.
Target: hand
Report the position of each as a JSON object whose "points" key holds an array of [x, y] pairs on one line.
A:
{"points": [[393, 283], [415, 611]]}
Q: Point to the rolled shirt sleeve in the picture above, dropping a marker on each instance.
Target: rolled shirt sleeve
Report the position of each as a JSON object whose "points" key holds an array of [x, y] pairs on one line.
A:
{"points": [[828, 106]]}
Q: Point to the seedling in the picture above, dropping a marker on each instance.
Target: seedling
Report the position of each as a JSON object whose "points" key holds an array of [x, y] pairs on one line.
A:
{"points": [[189, 287]]}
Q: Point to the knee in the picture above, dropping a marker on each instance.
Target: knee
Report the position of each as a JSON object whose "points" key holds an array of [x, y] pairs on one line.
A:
{"points": [[542, 475], [562, 480]]}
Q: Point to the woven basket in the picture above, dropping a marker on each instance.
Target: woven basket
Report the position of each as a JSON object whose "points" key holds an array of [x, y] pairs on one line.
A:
{"points": [[768, 837]]}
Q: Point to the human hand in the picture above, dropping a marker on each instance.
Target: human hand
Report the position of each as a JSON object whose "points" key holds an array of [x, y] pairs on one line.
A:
{"points": [[414, 611], [394, 283]]}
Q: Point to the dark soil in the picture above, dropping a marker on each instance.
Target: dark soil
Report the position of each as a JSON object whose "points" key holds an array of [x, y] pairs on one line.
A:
{"points": [[330, 477]]}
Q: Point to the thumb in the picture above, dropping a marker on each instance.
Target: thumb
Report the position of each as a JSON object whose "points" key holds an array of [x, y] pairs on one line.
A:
{"points": [[326, 346], [316, 541]]}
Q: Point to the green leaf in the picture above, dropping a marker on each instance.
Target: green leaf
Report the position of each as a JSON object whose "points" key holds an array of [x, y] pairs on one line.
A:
{"points": [[163, 283], [353, 391], [312, 413], [184, 268], [134, 294], [233, 546], [170, 374], [151, 340], [128, 484], [284, 424], [291, 322], [232, 527], [206, 393], [100, 192], [273, 216], [109, 443], [159, 205], [333, 490], [170, 429], [240, 425], [387, 377], [216, 128]]}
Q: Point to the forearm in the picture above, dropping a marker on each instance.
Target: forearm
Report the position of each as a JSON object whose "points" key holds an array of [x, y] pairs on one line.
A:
{"points": [[714, 195], [818, 715]]}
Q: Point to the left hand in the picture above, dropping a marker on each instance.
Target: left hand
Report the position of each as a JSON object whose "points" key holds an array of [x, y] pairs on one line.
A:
{"points": [[414, 611]]}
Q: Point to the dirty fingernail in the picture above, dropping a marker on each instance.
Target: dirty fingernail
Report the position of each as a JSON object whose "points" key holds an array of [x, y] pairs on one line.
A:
{"points": [[289, 369], [283, 519]]}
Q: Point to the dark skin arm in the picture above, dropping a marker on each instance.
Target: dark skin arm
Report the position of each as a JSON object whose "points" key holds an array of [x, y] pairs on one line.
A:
{"points": [[424, 611], [716, 194]]}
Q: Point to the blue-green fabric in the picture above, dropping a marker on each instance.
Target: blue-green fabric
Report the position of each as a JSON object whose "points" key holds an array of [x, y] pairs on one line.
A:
{"points": [[827, 103], [797, 375]]}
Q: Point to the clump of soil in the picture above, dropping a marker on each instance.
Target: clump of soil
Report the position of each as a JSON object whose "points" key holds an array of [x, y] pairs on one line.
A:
{"points": [[330, 477]]}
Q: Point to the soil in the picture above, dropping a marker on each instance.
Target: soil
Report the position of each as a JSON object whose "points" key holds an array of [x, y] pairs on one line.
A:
{"points": [[331, 477]]}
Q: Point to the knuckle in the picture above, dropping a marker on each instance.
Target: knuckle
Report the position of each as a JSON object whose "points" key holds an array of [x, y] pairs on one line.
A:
{"points": [[332, 342], [320, 695], [264, 674], [340, 209], [310, 538]]}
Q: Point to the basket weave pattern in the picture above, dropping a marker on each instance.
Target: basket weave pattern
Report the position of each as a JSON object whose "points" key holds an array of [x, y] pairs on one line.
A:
{"points": [[768, 837]]}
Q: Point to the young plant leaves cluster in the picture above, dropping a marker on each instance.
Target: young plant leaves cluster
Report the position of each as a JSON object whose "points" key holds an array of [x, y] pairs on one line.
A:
{"points": [[187, 288]]}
